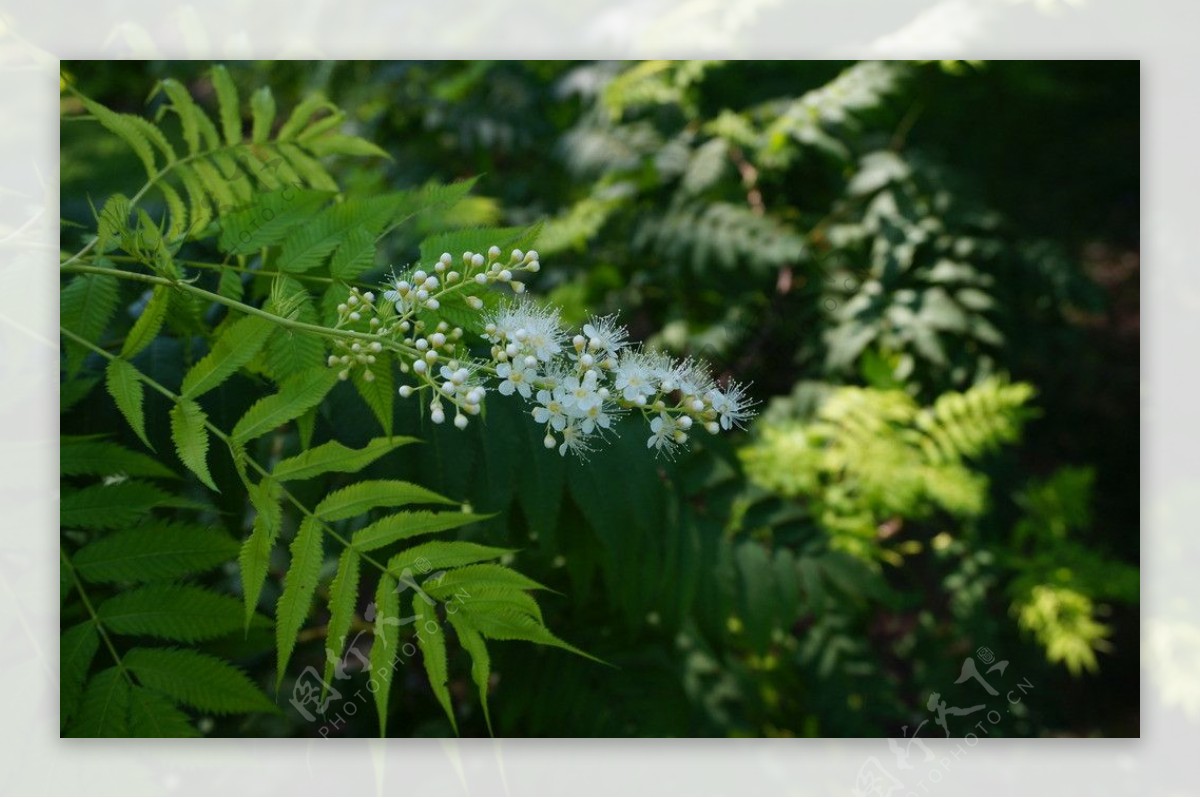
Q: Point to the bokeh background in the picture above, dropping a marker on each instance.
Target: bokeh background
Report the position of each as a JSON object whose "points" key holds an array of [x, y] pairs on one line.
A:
{"points": [[870, 244]]}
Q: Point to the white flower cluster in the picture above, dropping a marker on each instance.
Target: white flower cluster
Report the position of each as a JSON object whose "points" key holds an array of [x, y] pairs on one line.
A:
{"points": [[577, 385]]}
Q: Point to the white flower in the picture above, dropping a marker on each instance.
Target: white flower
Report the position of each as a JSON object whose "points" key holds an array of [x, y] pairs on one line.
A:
{"points": [[635, 378], [550, 411], [605, 335], [542, 334], [574, 440], [595, 416], [663, 438], [517, 378], [691, 378], [731, 405], [579, 396]]}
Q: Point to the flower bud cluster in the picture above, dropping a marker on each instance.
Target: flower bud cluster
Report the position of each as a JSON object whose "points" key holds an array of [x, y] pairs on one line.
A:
{"points": [[576, 384]]}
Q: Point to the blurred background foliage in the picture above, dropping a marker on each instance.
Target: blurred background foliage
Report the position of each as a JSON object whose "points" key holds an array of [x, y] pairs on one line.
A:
{"points": [[929, 270]]}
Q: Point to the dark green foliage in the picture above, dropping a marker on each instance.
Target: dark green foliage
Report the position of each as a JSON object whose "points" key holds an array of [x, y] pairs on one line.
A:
{"points": [[922, 270], [139, 558]]}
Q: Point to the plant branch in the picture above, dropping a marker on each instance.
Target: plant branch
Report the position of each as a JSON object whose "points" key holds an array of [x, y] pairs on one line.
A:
{"points": [[112, 649], [282, 321], [220, 435]]}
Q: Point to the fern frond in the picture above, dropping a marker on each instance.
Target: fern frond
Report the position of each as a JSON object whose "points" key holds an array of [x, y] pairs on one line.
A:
{"points": [[123, 126], [262, 109], [979, 420], [228, 104], [193, 121], [269, 219]]}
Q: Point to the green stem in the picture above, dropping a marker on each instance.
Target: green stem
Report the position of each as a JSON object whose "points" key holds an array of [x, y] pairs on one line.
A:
{"points": [[112, 649], [250, 310], [198, 264]]}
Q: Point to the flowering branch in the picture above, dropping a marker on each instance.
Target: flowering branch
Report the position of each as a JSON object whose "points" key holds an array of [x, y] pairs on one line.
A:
{"points": [[576, 384]]}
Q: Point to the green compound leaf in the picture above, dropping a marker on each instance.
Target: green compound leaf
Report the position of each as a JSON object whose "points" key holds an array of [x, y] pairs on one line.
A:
{"points": [[387, 643], [125, 386], [254, 559], [443, 554], [153, 715], [86, 307], [79, 456], [181, 613], [154, 551], [77, 648], [402, 526], [334, 457], [109, 506], [299, 586], [229, 106], [236, 347], [481, 663], [361, 497], [296, 395], [148, 325], [343, 594], [104, 711], [190, 434], [198, 680], [432, 641]]}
